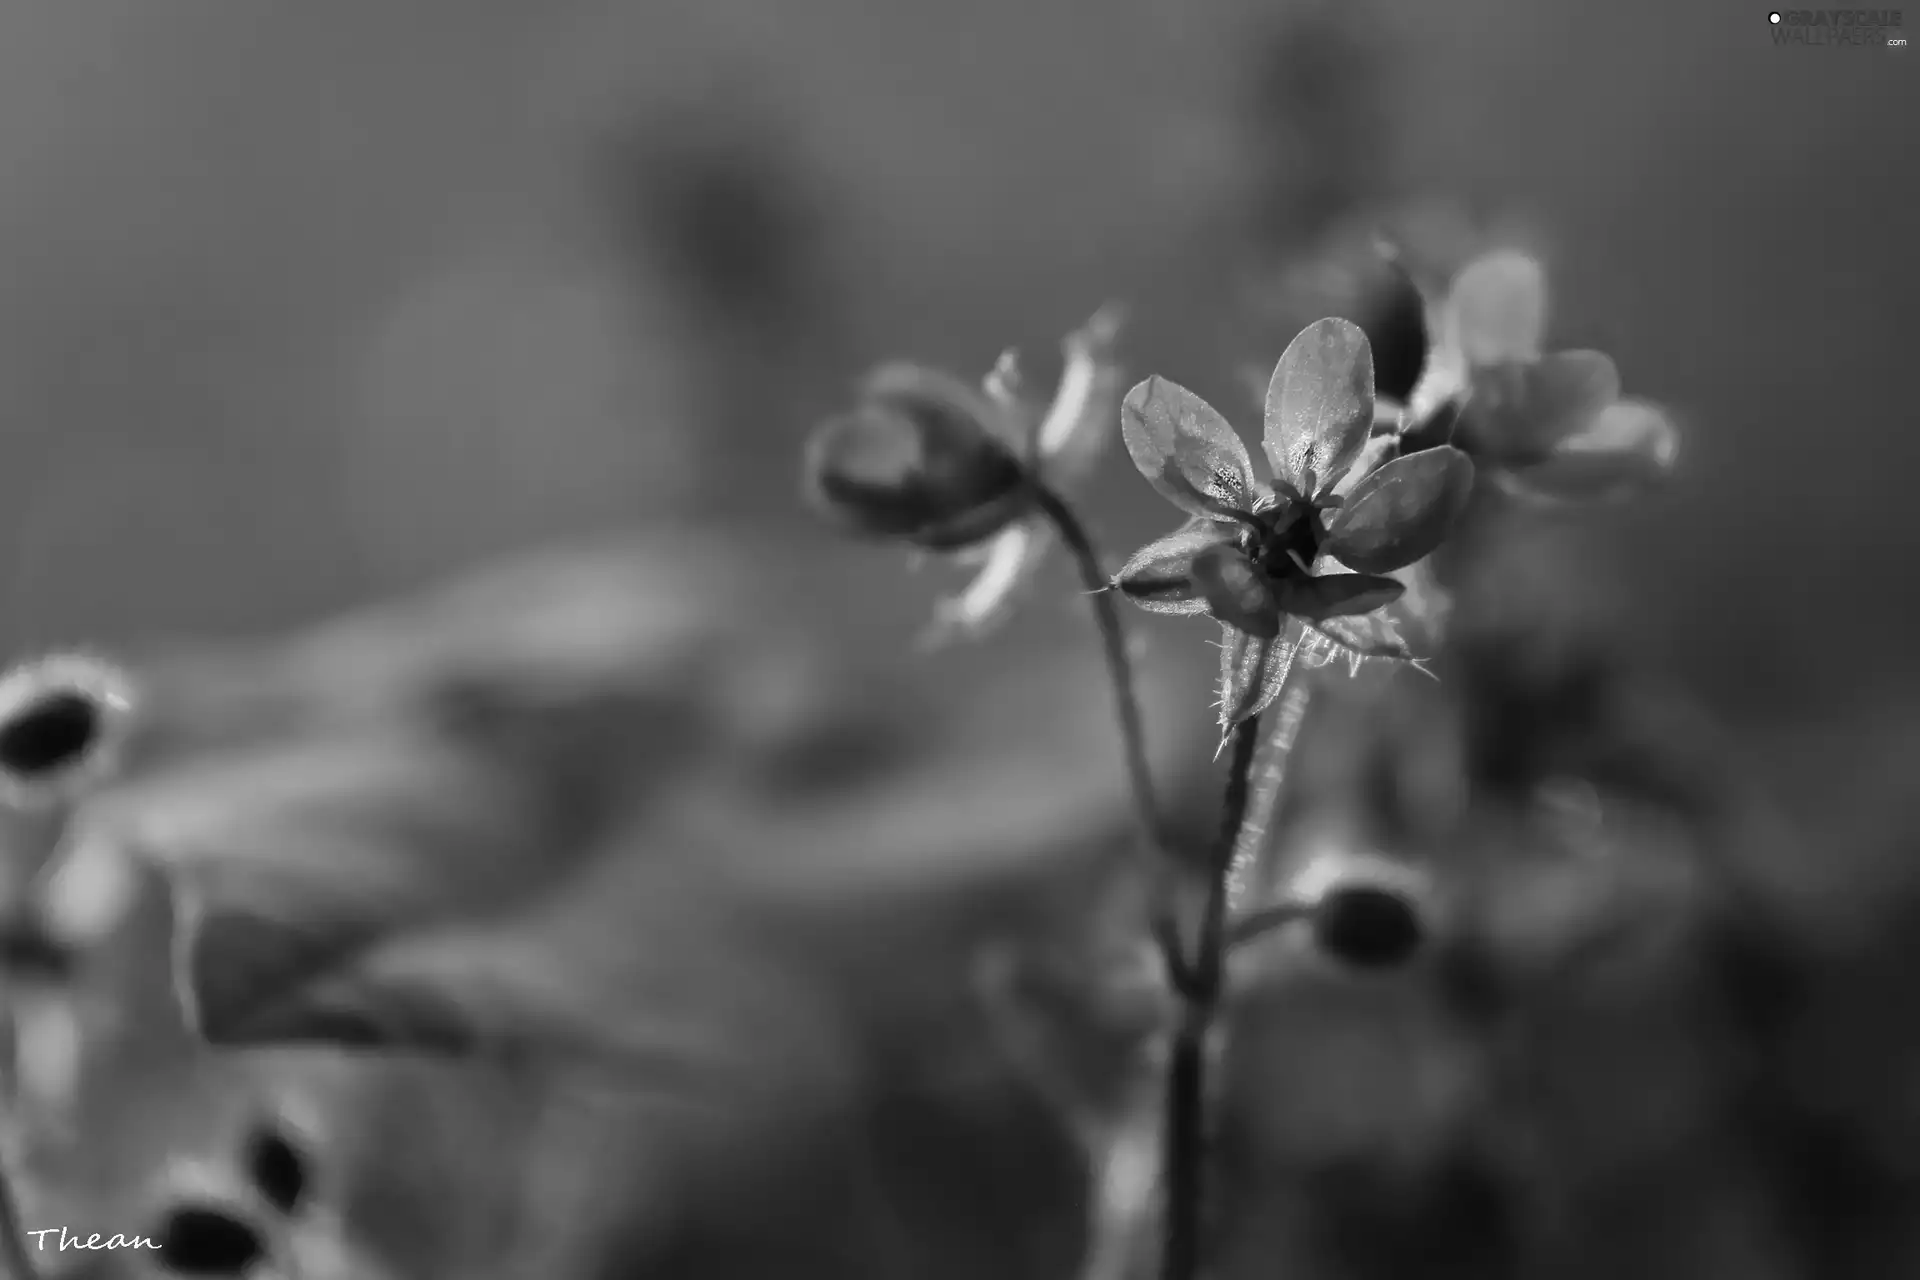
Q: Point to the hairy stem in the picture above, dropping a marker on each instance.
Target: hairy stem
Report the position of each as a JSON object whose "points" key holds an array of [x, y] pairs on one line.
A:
{"points": [[1202, 977], [1245, 871], [1113, 643]]}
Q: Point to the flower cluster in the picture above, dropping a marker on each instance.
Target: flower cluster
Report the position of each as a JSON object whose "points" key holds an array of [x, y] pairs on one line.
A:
{"points": [[1543, 426]]}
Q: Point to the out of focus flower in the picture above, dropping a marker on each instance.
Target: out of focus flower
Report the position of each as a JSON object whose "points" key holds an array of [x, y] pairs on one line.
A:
{"points": [[1251, 556], [931, 461], [1549, 427]]}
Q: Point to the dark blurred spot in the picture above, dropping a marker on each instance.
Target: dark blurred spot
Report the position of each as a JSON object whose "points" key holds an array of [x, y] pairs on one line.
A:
{"points": [[1460, 1220], [29, 951], [1318, 122], [276, 1167], [201, 1240], [1473, 983], [1368, 926], [51, 733], [1433, 430], [1393, 315], [835, 756], [721, 213]]}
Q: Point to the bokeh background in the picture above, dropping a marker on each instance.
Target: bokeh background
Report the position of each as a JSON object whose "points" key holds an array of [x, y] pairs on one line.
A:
{"points": [[305, 302], [306, 305]]}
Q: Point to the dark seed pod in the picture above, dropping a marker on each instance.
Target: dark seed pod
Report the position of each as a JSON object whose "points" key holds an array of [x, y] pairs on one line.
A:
{"points": [[276, 1167], [208, 1240], [62, 721], [1368, 926], [923, 459]]}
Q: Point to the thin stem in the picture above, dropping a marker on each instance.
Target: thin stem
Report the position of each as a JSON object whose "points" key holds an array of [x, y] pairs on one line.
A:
{"points": [[1186, 1119], [1113, 643], [16, 1262]]}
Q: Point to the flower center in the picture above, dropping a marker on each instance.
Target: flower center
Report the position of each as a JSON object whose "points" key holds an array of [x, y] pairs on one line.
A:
{"points": [[1288, 543]]}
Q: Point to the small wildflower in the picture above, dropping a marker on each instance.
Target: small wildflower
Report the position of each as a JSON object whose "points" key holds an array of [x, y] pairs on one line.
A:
{"points": [[1318, 545], [1547, 427], [931, 461]]}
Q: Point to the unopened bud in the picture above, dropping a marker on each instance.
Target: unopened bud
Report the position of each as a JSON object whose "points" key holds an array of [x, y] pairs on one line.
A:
{"points": [[923, 459], [1368, 926]]}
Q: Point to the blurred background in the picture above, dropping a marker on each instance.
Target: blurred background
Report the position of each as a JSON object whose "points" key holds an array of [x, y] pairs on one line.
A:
{"points": [[299, 303], [307, 305]]}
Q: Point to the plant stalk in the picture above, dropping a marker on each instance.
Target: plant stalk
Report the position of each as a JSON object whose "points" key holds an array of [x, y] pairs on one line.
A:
{"points": [[1202, 980], [1246, 875], [1113, 644], [15, 1262]]}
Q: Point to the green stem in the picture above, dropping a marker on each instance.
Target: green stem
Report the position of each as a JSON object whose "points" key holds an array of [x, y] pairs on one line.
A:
{"points": [[1113, 643]]}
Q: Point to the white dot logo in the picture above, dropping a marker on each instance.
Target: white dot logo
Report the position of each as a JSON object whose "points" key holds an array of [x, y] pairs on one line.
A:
{"points": [[1774, 18]]}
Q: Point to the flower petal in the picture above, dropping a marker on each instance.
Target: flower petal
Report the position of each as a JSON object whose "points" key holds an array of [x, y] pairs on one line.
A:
{"points": [[1336, 595], [1159, 577], [1007, 562], [1079, 422], [1253, 670], [1408, 629], [1518, 413], [1006, 385], [1497, 308], [1185, 449], [1401, 512], [1567, 391], [1236, 592], [1381, 448], [1319, 406], [945, 404], [1631, 445]]}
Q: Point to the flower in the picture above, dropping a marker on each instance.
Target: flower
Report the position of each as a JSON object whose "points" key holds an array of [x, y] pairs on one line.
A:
{"points": [[1548, 427], [1311, 547], [918, 460], [929, 460]]}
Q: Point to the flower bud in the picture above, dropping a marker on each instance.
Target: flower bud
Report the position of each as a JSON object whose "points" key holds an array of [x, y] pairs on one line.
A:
{"points": [[1393, 315], [921, 459], [1368, 926]]}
